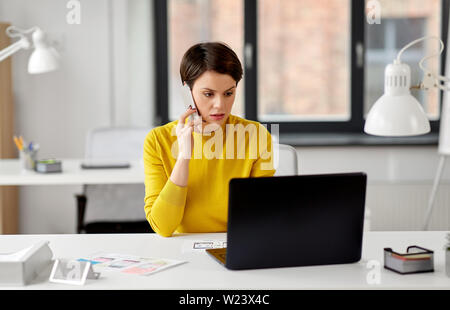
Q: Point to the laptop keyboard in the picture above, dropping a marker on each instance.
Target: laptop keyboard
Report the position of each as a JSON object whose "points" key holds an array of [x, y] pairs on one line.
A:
{"points": [[219, 254]]}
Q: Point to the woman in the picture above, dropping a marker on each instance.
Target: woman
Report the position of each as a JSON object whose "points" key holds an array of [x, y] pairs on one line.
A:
{"points": [[187, 170]]}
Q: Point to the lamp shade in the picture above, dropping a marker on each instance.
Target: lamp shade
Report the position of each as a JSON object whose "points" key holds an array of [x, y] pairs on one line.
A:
{"points": [[44, 57], [397, 112]]}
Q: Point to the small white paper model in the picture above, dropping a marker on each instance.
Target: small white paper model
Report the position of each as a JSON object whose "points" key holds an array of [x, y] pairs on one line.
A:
{"points": [[72, 272], [21, 267]]}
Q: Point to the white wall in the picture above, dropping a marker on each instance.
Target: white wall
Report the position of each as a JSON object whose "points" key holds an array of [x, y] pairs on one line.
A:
{"points": [[141, 66], [132, 61]]}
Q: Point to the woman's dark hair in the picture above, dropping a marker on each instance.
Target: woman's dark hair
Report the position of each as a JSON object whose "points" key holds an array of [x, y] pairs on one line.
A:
{"points": [[216, 56]]}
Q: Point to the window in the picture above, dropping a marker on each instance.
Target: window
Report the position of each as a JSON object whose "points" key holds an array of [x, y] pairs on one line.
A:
{"points": [[303, 60], [311, 66], [194, 21]]}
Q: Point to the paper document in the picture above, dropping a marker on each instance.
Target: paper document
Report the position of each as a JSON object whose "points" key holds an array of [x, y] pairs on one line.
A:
{"points": [[199, 245], [130, 264]]}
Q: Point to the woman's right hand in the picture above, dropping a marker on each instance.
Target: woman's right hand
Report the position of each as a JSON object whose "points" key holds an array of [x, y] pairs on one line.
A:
{"points": [[184, 135]]}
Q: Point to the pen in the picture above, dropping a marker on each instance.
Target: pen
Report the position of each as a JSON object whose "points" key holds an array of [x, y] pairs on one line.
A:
{"points": [[24, 144], [17, 142]]}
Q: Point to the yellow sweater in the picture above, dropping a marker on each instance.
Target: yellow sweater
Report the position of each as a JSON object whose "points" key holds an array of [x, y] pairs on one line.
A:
{"points": [[202, 205]]}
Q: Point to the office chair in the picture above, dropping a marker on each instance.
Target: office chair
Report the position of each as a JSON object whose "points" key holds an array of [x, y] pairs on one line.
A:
{"points": [[113, 208], [287, 159]]}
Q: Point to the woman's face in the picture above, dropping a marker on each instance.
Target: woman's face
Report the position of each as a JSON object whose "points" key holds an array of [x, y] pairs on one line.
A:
{"points": [[214, 95]]}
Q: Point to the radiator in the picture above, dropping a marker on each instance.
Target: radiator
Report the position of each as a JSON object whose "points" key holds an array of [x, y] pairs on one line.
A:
{"points": [[394, 206]]}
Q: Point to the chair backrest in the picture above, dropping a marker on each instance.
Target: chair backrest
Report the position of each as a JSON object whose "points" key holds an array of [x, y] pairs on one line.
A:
{"points": [[285, 160], [121, 143], [115, 202]]}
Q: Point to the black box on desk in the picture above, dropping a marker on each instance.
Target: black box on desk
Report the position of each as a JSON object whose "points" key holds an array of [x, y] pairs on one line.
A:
{"points": [[416, 260], [48, 166]]}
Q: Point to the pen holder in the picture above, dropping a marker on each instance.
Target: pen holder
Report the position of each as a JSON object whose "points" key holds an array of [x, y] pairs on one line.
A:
{"points": [[28, 159]]}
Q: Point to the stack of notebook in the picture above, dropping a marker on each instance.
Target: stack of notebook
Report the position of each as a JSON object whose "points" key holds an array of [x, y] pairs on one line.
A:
{"points": [[416, 260]]}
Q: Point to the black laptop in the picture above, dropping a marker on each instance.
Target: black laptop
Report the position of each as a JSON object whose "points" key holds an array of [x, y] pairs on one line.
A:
{"points": [[300, 220]]}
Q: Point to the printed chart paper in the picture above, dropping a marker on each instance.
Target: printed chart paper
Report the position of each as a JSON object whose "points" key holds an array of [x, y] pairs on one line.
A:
{"points": [[130, 264]]}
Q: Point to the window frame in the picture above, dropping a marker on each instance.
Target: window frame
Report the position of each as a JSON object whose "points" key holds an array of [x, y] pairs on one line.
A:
{"points": [[357, 25]]}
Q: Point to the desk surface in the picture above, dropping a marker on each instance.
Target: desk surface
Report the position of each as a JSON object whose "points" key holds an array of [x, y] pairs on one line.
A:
{"points": [[202, 272], [72, 174]]}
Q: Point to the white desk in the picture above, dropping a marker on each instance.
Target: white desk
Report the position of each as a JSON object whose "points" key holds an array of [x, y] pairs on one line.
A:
{"points": [[11, 174], [202, 272], [72, 174]]}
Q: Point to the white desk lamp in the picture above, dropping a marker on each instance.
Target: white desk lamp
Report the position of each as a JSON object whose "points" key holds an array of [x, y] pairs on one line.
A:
{"points": [[44, 57], [398, 113]]}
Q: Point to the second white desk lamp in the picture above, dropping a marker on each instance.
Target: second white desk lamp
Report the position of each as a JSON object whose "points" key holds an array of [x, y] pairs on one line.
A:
{"points": [[44, 57], [398, 113]]}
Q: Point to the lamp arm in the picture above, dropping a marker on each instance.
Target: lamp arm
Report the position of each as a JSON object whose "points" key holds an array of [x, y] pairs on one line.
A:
{"points": [[442, 87], [440, 77], [8, 51]]}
